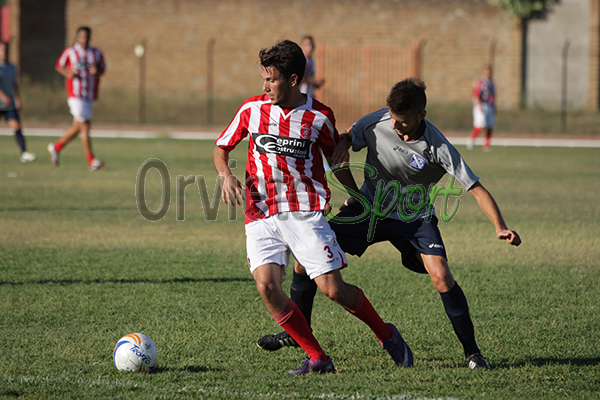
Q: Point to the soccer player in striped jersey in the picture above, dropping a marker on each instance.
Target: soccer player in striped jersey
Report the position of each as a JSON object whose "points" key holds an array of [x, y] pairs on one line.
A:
{"points": [[484, 109], [82, 66], [286, 193]]}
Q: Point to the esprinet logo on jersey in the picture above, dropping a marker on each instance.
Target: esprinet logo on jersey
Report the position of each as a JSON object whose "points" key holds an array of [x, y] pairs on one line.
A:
{"points": [[281, 145]]}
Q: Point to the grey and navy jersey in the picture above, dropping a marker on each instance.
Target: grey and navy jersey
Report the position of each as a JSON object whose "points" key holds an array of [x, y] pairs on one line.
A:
{"points": [[8, 75], [421, 162]]}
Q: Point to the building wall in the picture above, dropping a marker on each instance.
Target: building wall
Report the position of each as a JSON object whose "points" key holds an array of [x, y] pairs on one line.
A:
{"points": [[457, 38], [569, 21]]}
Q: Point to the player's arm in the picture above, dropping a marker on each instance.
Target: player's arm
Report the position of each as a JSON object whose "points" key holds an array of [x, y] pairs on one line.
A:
{"points": [[232, 191], [340, 151], [64, 72], [344, 175], [5, 99], [97, 68], [490, 209], [17, 98]]}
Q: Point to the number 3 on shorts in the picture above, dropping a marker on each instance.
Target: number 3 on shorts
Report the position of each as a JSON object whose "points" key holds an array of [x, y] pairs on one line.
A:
{"points": [[328, 250]]}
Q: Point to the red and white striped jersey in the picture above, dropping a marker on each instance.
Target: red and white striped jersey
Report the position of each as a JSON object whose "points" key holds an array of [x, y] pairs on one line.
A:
{"points": [[75, 58], [284, 168]]}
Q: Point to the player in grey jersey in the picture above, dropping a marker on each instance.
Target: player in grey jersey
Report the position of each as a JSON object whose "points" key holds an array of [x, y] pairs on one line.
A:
{"points": [[405, 151]]}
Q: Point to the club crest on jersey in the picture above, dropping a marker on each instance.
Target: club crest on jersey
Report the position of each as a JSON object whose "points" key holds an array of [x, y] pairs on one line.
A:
{"points": [[416, 161], [305, 131], [281, 145]]}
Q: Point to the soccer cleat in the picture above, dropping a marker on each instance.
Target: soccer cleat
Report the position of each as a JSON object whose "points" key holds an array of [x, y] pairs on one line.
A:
{"points": [[27, 157], [470, 144], [96, 164], [317, 366], [476, 361], [398, 349], [276, 341], [53, 155]]}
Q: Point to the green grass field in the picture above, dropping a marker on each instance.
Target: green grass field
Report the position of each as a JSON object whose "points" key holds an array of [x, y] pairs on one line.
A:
{"points": [[80, 267]]}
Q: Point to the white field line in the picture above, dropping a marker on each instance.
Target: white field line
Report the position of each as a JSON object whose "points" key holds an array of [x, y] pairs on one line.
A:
{"points": [[148, 134], [100, 382]]}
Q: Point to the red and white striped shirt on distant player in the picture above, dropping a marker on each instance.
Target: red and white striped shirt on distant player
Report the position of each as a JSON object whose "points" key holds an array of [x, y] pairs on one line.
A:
{"points": [[284, 168], [75, 58]]}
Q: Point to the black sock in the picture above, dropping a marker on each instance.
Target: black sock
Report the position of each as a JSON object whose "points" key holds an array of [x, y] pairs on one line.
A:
{"points": [[457, 309], [302, 292], [20, 140]]}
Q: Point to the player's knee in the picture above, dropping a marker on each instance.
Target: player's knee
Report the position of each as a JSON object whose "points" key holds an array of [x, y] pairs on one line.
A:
{"points": [[266, 289], [443, 281]]}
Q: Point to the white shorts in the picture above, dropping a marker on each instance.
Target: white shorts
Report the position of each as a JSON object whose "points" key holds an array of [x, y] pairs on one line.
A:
{"points": [[306, 235], [81, 109], [484, 116]]}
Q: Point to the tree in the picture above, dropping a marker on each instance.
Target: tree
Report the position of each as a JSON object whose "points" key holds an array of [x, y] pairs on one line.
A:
{"points": [[525, 10]]}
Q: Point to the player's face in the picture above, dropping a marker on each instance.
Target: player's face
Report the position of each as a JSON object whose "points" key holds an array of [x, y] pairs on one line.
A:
{"points": [[307, 46], [83, 38], [276, 86], [407, 124], [488, 72]]}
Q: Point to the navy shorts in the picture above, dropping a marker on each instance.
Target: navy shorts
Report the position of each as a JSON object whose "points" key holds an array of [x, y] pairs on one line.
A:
{"points": [[410, 238], [9, 114]]}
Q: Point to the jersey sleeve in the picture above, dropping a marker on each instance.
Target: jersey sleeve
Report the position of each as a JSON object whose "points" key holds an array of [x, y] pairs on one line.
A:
{"points": [[63, 61], [237, 129], [359, 128], [100, 62], [328, 134], [446, 155], [476, 90]]}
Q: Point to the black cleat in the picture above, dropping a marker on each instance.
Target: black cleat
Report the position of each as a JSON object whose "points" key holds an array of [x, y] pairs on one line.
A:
{"points": [[476, 361], [276, 341]]}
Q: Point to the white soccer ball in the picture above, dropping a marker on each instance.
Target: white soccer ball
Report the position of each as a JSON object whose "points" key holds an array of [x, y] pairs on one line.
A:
{"points": [[135, 352]]}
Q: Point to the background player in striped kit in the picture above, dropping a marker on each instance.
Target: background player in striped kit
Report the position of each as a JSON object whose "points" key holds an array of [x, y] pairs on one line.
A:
{"points": [[10, 101], [484, 108], [286, 193], [82, 66], [404, 148]]}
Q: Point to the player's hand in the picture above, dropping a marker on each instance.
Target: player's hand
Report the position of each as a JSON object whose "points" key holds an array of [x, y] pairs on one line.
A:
{"points": [[340, 153], [511, 237], [92, 68], [5, 99], [232, 191]]}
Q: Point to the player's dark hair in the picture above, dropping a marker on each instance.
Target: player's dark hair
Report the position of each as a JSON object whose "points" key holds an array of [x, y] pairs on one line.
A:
{"points": [[287, 57], [85, 28], [407, 96]]}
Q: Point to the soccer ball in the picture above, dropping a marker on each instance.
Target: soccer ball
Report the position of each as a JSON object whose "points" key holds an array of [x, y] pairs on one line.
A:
{"points": [[135, 352]]}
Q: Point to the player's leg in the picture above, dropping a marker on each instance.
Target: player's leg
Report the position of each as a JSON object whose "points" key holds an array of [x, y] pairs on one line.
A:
{"points": [[455, 304], [268, 282], [478, 123], [488, 139], [351, 239], [86, 142], [356, 303], [55, 148], [425, 253], [316, 248], [15, 125], [269, 253]]}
